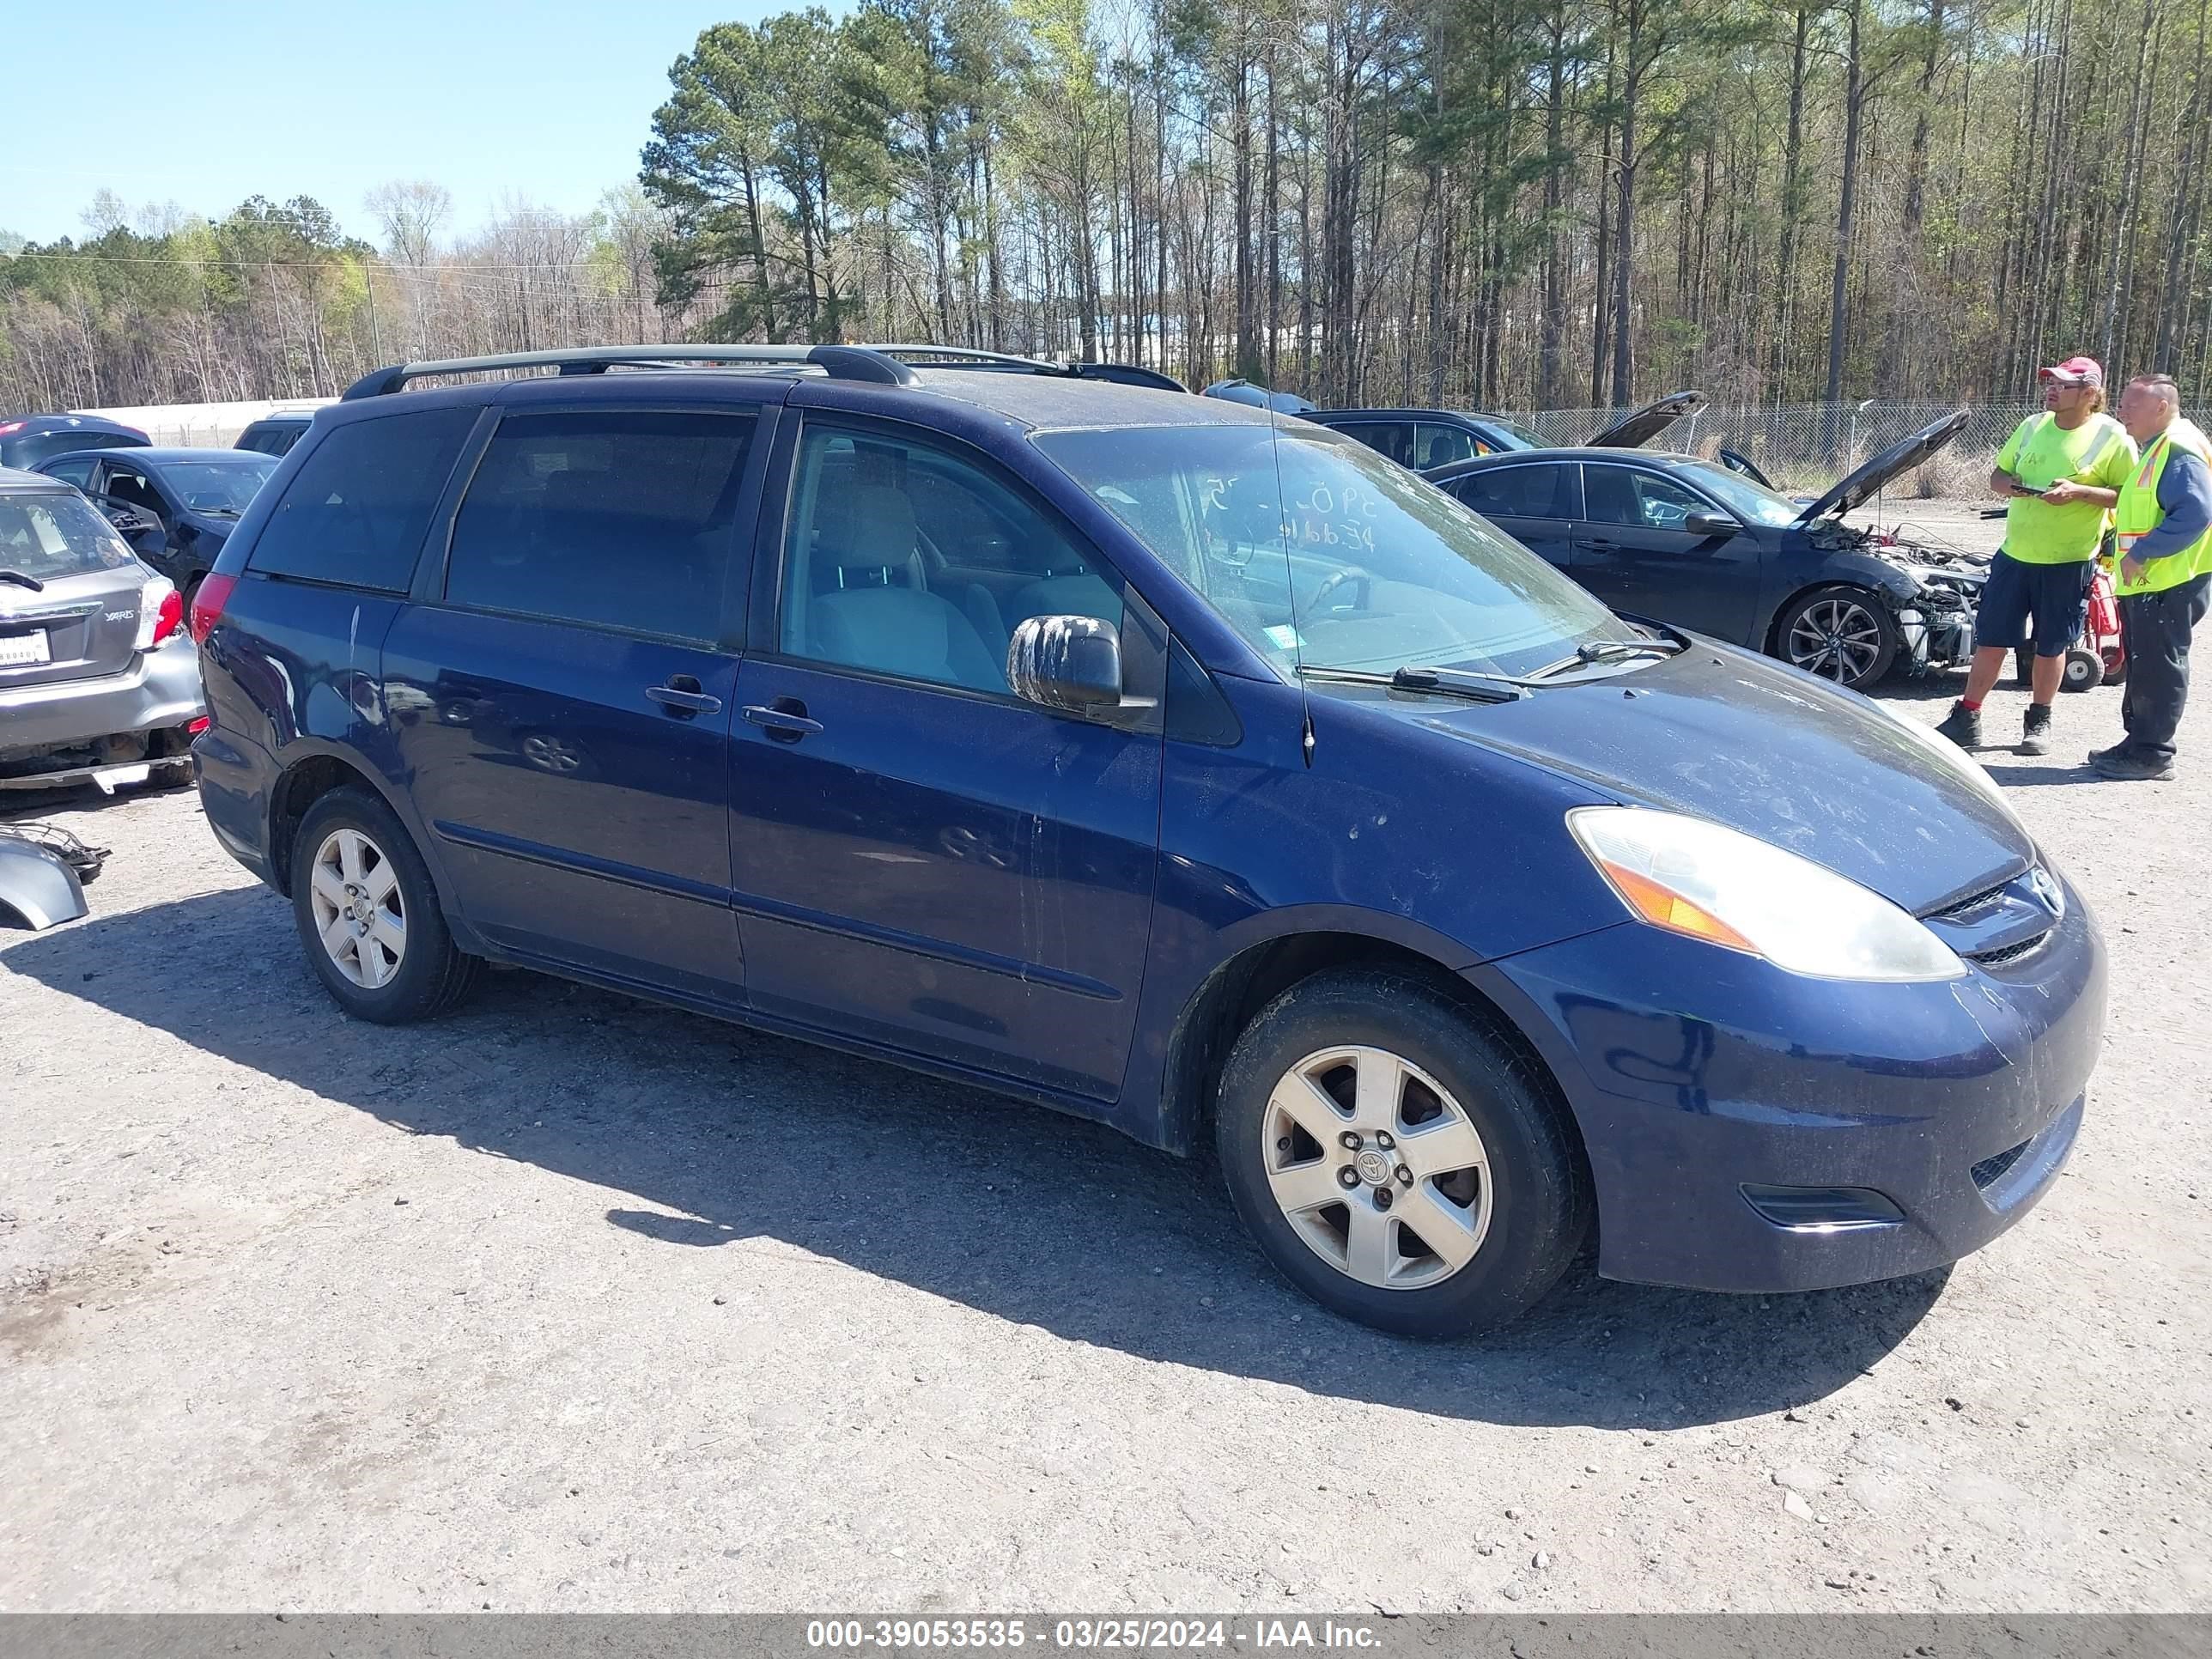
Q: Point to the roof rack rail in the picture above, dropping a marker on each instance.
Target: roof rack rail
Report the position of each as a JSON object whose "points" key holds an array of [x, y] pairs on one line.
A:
{"points": [[845, 362], [878, 365]]}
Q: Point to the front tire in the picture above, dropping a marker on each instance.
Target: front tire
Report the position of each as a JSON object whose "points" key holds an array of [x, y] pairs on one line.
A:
{"points": [[1842, 634], [367, 913], [1396, 1162], [2084, 670]]}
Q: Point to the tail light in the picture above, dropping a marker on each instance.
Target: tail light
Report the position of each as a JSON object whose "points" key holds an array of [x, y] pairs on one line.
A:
{"points": [[160, 612], [208, 601], [199, 726]]}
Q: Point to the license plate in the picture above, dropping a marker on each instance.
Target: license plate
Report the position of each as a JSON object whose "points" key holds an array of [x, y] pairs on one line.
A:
{"points": [[20, 650]]}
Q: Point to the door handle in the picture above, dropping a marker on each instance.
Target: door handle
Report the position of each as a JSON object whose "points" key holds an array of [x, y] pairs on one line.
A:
{"points": [[682, 697], [785, 721], [1601, 546]]}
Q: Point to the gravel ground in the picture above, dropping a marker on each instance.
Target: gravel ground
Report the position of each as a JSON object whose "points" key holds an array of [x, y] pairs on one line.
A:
{"points": [[571, 1302]]}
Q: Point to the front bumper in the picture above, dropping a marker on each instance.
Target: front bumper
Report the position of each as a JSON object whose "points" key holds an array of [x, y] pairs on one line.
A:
{"points": [[159, 691], [1694, 1072], [1929, 638]]}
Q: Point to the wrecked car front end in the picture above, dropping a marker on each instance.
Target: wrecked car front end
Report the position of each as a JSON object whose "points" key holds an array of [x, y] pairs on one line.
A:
{"points": [[1933, 592]]}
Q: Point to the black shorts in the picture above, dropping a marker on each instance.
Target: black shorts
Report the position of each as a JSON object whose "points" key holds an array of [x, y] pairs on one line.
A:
{"points": [[2056, 595]]}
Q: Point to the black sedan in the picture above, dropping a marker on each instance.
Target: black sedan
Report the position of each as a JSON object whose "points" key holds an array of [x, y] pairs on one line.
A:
{"points": [[1690, 542], [175, 506], [1424, 439]]}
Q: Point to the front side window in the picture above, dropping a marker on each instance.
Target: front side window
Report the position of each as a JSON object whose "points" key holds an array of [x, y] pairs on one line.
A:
{"points": [[903, 559], [356, 512], [622, 519], [1633, 497], [135, 489], [1321, 553], [49, 534], [1750, 500]]}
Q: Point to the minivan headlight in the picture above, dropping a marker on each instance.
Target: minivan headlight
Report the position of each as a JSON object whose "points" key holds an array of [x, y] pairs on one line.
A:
{"points": [[1711, 882]]}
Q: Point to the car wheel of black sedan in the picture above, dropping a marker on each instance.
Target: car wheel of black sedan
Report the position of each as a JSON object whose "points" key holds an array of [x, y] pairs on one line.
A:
{"points": [[1394, 1161], [1842, 634]]}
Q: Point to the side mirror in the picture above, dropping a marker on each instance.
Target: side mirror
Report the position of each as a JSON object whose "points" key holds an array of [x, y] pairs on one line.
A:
{"points": [[1069, 664], [1709, 524]]}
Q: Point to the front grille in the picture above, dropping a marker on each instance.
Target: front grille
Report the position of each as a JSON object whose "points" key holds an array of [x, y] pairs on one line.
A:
{"points": [[2003, 954], [1991, 1168]]}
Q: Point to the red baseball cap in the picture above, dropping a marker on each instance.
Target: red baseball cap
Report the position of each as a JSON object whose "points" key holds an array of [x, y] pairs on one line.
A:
{"points": [[2075, 371]]}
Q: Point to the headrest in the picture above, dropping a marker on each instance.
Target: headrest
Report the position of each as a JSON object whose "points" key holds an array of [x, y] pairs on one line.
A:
{"points": [[877, 529]]}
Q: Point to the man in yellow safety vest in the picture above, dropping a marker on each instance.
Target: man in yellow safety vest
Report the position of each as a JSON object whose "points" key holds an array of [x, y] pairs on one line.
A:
{"points": [[2164, 522], [2060, 472]]}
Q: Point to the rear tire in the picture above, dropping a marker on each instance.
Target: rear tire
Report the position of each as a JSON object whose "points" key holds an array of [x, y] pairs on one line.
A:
{"points": [[1476, 1200], [368, 916]]}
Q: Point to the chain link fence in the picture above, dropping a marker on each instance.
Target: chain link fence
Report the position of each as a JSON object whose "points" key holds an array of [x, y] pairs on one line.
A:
{"points": [[1810, 446]]}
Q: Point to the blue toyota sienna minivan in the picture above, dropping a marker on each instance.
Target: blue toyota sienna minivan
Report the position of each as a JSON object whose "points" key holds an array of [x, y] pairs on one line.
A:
{"points": [[1160, 760]]}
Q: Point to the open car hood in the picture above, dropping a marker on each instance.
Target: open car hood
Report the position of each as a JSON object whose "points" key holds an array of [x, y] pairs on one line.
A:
{"points": [[1857, 487], [1639, 426]]}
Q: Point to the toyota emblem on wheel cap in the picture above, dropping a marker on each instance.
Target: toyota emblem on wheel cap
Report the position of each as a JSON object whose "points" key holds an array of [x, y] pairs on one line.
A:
{"points": [[1374, 1168]]}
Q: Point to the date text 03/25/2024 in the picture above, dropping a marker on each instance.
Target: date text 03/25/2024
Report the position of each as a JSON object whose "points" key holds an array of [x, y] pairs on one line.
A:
{"points": [[1087, 1635]]}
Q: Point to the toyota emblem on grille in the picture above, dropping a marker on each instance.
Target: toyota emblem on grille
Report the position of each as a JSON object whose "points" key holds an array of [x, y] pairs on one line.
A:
{"points": [[2046, 890]]}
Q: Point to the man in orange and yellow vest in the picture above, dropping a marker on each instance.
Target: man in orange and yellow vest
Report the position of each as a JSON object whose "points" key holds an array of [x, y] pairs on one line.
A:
{"points": [[2163, 521]]}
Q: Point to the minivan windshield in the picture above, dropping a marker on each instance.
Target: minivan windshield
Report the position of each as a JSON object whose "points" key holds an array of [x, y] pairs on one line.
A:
{"points": [[49, 533], [1323, 554], [1755, 503]]}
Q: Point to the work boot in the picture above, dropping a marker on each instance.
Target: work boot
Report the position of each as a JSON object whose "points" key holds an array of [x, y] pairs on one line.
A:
{"points": [[1963, 726], [2131, 767], [2120, 751], [2035, 735]]}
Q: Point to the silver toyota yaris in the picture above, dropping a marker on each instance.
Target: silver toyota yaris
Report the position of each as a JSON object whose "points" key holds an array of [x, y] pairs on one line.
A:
{"points": [[98, 681]]}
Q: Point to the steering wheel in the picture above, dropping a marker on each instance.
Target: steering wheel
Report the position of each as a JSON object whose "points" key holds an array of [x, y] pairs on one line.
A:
{"points": [[1351, 573]]}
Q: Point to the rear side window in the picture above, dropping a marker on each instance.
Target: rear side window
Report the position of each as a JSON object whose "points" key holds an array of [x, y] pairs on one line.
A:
{"points": [[49, 534], [356, 512], [622, 519], [1517, 492]]}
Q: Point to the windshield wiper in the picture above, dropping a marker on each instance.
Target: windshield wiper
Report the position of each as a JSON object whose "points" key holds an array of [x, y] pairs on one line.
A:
{"points": [[1597, 650], [31, 582], [1447, 682]]}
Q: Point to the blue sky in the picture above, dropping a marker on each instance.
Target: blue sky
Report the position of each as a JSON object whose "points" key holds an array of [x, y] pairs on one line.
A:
{"points": [[204, 104]]}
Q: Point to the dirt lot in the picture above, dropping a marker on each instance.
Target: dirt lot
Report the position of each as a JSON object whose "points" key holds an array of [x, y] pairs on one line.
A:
{"points": [[568, 1302]]}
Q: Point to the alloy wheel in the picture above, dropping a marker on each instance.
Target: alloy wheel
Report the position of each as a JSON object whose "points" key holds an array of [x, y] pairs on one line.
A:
{"points": [[359, 910], [1377, 1168], [1837, 638]]}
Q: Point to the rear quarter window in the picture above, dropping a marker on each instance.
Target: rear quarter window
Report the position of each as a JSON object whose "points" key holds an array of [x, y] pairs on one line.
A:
{"points": [[356, 512]]}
